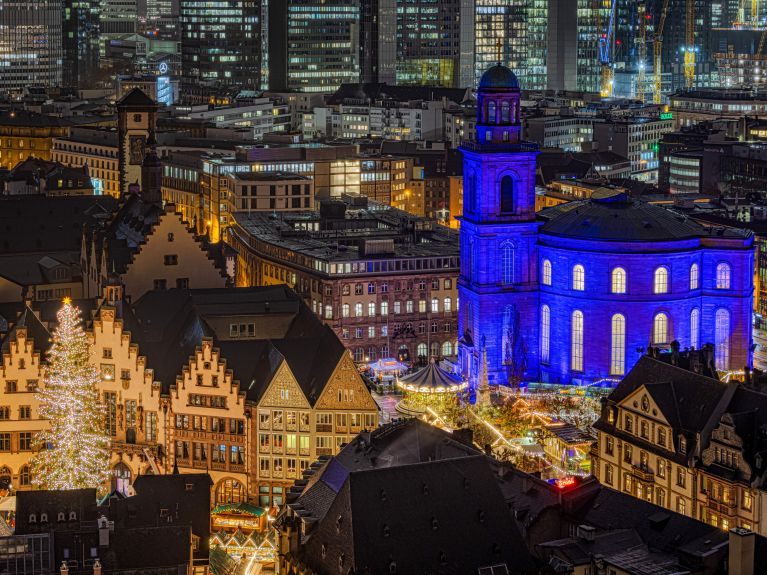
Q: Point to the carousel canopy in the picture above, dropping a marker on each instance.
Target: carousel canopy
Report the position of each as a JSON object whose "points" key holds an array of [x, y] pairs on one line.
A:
{"points": [[432, 379], [238, 509]]}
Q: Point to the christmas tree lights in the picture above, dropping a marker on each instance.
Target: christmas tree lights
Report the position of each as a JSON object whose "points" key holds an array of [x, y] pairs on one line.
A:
{"points": [[75, 449]]}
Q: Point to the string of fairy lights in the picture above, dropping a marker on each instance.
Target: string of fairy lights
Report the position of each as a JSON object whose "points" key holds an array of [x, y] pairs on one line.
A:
{"points": [[74, 449]]}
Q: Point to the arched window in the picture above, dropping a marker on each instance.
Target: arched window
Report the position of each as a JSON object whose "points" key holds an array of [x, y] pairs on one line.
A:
{"points": [[25, 477], [695, 328], [5, 477], [447, 349], [660, 329], [504, 112], [403, 353], [660, 280], [619, 280], [576, 335], [545, 333], [359, 355], [507, 195], [435, 305], [723, 276], [345, 310], [507, 263], [546, 273], [491, 112], [694, 276], [470, 187], [421, 351], [579, 278], [121, 478], [230, 491], [618, 345], [435, 349], [722, 339]]}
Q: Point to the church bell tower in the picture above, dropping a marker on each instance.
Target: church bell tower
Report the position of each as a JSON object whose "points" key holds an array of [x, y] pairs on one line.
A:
{"points": [[499, 280]]}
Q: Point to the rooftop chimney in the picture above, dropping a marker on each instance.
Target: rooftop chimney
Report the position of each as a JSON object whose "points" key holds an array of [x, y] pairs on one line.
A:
{"points": [[741, 552]]}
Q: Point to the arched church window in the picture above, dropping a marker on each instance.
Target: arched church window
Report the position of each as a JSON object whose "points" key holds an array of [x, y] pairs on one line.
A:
{"points": [[660, 280], [121, 478], [491, 112], [576, 345], [695, 328], [546, 273], [545, 333], [723, 276], [504, 112], [722, 339], [694, 275], [660, 329], [579, 278], [507, 263], [618, 345], [507, 194], [619, 280]]}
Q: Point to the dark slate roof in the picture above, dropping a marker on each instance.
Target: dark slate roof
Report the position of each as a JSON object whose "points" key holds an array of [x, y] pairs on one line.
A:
{"points": [[33, 223], [170, 324], [615, 217], [442, 517], [136, 98], [26, 119], [380, 91], [499, 77], [36, 331], [81, 501], [147, 548], [185, 496], [36, 269], [660, 529]]}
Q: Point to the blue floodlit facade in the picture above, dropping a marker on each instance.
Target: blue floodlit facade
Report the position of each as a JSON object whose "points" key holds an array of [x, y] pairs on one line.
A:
{"points": [[576, 293]]}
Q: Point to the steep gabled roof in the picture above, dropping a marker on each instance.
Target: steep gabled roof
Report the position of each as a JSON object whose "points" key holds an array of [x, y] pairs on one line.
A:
{"points": [[36, 331], [136, 98]]}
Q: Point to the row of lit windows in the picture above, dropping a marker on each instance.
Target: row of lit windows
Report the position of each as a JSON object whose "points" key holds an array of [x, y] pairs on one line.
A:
{"points": [[661, 335], [618, 284]]}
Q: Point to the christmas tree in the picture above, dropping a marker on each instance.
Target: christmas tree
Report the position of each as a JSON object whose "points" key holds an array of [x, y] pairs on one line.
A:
{"points": [[75, 449]]}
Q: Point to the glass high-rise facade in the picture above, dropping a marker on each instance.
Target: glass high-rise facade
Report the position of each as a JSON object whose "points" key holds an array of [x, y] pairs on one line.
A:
{"points": [[323, 44], [81, 36], [31, 51], [434, 44], [221, 42], [513, 32]]}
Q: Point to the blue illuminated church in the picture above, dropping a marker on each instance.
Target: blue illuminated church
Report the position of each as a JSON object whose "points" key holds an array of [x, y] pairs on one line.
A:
{"points": [[576, 293]]}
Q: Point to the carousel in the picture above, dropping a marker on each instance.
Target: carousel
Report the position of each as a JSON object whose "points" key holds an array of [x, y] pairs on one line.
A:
{"points": [[430, 387]]}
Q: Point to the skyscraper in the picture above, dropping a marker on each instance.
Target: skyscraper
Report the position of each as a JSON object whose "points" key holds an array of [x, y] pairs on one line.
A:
{"points": [[575, 28], [220, 41], [322, 44], [81, 21], [31, 50], [512, 32], [435, 42]]}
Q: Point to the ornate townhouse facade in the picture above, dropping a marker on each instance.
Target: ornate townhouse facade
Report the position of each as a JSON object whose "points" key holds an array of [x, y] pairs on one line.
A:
{"points": [[247, 385], [674, 435]]}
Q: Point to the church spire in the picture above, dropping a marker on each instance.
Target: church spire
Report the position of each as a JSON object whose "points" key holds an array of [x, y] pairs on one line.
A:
{"points": [[483, 387]]}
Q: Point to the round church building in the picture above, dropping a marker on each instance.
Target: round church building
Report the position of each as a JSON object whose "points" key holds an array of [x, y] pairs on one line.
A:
{"points": [[576, 293]]}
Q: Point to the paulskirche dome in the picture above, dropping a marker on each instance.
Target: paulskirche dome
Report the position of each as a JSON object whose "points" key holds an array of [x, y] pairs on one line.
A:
{"points": [[499, 77], [613, 216]]}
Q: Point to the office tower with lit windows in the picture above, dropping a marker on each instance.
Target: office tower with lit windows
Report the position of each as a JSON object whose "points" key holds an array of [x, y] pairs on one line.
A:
{"points": [[323, 48], [220, 42], [514, 33], [162, 19], [435, 43], [575, 28], [31, 51], [81, 36], [378, 41]]}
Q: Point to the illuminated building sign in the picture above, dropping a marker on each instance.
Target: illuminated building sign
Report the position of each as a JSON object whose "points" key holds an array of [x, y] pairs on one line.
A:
{"points": [[667, 116]]}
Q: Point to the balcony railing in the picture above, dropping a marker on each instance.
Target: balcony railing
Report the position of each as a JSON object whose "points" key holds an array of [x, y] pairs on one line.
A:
{"points": [[643, 473], [324, 451]]}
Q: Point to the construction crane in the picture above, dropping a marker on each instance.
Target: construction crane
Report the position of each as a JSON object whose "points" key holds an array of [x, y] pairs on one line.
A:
{"points": [[689, 49], [641, 51], [658, 52], [606, 45]]}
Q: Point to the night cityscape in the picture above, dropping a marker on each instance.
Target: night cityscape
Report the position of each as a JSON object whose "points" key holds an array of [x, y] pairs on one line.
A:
{"points": [[383, 287]]}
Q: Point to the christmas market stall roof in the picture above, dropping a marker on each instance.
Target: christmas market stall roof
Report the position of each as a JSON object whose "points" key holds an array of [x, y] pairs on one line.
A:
{"points": [[432, 379]]}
